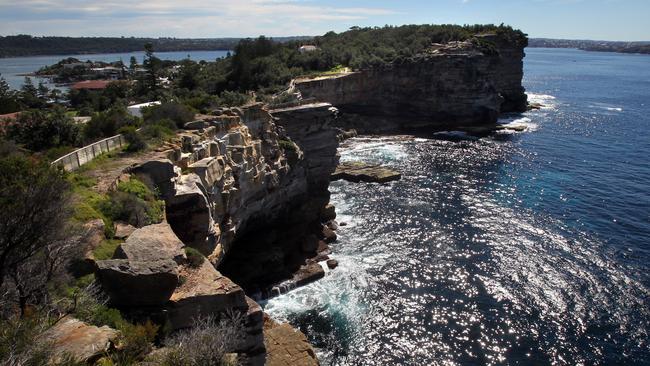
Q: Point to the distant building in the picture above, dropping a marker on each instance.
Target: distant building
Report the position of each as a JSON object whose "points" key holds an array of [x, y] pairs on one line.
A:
{"points": [[108, 72], [91, 85], [136, 109], [307, 48]]}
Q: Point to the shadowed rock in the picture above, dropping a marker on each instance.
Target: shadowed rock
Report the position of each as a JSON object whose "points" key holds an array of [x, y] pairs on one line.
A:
{"points": [[138, 283], [363, 172]]}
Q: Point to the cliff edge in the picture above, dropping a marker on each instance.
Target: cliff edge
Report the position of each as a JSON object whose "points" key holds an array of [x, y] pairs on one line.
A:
{"points": [[452, 85]]}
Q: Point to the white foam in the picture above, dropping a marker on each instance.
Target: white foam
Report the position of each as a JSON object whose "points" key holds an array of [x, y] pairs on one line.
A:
{"points": [[546, 101], [607, 107], [517, 122]]}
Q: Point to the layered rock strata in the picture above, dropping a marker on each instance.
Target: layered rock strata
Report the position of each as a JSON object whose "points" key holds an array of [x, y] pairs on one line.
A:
{"points": [[246, 189], [450, 86]]}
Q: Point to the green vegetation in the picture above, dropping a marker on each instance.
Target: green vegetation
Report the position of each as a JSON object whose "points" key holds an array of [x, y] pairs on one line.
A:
{"points": [[176, 112], [106, 124], [287, 145], [106, 249], [39, 130], [194, 257]]}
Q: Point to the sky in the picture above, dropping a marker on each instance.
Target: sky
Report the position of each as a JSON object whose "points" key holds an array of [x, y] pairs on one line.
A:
{"points": [[625, 20]]}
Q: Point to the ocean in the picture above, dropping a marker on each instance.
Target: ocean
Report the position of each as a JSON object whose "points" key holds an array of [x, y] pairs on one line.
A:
{"points": [[12, 69], [518, 248]]}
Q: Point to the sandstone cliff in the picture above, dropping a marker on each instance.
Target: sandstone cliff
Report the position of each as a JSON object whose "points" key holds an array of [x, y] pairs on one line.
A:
{"points": [[248, 190], [454, 85]]}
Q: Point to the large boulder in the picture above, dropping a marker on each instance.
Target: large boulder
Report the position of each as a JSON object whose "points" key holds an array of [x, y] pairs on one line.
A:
{"points": [[152, 243], [73, 338], [157, 174], [131, 283], [203, 292]]}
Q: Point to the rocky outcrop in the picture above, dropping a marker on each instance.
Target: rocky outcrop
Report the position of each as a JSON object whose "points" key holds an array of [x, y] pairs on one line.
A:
{"points": [[73, 340], [287, 346], [362, 172], [450, 86], [248, 189], [138, 283], [152, 243], [204, 292]]}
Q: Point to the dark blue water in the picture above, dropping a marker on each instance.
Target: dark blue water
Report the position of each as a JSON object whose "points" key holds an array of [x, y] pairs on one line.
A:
{"points": [[523, 248]]}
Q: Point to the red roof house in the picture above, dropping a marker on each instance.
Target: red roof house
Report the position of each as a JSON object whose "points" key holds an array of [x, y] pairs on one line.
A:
{"points": [[91, 84]]}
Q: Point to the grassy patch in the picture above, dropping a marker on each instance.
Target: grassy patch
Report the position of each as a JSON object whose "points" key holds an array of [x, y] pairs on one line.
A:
{"points": [[106, 249], [194, 258]]}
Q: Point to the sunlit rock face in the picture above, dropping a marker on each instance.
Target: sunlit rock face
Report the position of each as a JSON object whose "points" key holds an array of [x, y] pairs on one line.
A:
{"points": [[247, 187], [451, 85]]}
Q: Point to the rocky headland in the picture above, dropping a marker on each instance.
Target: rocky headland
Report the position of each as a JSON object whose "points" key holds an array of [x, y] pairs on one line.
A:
{"points": [[458, 85], [247, 189]]}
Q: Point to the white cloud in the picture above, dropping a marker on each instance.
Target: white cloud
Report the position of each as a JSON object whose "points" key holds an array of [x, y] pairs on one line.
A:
{"points": [[188, 18]]}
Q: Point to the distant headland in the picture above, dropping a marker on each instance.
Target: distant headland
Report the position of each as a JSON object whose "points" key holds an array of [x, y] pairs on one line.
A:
{"points": [[26, 45], [597, 46]]}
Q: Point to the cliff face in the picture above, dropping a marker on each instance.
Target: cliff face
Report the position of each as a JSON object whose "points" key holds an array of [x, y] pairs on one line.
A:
{"points": [[246, 188], [452, 85]]}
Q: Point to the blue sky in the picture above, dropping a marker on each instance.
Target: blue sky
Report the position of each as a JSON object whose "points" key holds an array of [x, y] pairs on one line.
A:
{"points": [[576, 19]]}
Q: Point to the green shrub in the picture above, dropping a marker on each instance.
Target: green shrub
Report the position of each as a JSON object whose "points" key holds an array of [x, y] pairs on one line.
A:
{"points": [[107, 124], [136, 341], [133, 139], [287, 145], [176, 112], [206, 343], [39, 130], [194, 257]]}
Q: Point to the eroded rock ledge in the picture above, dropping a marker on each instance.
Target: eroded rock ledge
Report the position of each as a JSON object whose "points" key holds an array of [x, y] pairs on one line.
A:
{"points": [[364, 172]]}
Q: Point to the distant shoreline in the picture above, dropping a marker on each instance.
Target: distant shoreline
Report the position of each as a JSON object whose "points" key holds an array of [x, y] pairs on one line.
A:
{"points": [[111, 53], [642, 48], [29, 46]]}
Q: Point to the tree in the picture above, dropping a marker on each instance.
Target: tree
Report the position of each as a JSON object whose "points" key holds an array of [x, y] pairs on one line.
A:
{"points": [[34, 201], [106, 124], [8, 98], [151, 65], [176, 112], [43, 90], [29, 94], [133, 65], [39, 130]]}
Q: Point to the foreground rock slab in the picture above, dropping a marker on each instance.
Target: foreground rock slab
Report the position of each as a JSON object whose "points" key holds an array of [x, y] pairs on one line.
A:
{"points": [[73, 338], [287, 346], [364, 172], [151, 243], [204, 292], [138, 283]]}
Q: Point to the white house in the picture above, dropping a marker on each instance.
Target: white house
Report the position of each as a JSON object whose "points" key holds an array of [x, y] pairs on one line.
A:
{"points": [[136, 109], [307, 48]]}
